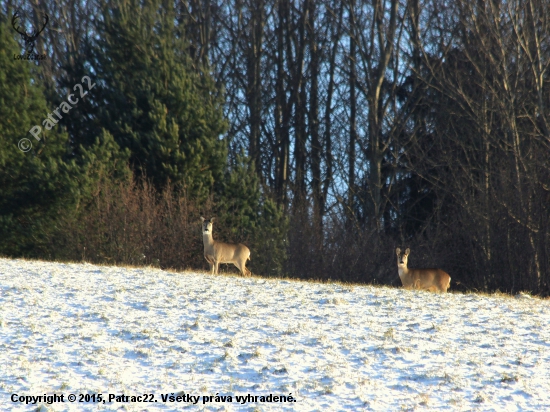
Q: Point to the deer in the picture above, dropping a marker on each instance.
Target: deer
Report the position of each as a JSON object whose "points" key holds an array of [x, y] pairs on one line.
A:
{"points": [[434, 280], [219, 252]]}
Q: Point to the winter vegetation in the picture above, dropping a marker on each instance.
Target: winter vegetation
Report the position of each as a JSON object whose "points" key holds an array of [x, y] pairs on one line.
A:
{"points": [[87, 329], [323, 137], [320, 134]]}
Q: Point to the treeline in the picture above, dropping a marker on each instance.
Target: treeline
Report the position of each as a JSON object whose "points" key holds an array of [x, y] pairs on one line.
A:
{"points": [[323, 133]]}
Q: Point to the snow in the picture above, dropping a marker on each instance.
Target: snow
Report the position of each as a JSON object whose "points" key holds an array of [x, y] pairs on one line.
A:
{"points": [[85, 329]]}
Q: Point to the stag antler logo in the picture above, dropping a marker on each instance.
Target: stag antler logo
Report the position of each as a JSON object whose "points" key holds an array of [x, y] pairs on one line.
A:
{"points": [[29, 38]]}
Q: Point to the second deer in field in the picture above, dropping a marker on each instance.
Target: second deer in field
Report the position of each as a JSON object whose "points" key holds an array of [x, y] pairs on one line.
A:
{"points": [[219, 252], [435, 280]]}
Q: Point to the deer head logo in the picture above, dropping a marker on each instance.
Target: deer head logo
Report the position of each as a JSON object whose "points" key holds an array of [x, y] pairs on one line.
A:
{"points": [[18, 22]]}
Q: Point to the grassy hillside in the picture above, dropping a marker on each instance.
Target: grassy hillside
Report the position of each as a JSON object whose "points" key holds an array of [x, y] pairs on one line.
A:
{"points": [[85, 329]]}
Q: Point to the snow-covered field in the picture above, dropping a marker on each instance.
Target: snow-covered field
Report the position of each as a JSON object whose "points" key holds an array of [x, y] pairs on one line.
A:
{"points": [[92, 330]]}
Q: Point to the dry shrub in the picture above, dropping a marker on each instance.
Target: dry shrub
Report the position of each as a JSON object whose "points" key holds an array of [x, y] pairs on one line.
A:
{"points": [[133, 224]]}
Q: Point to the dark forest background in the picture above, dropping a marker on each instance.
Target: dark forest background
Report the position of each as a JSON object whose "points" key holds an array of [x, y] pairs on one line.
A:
{"points": [[323, 134]]}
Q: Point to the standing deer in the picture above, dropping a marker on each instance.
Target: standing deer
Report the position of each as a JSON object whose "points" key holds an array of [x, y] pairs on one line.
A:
{"points": [[219, 252], [434, 280]]}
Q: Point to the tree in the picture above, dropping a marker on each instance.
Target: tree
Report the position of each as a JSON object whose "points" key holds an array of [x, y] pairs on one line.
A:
{"points": [[35, 185], [249, 215], [489, 145], [155, 100], [47, 186]]}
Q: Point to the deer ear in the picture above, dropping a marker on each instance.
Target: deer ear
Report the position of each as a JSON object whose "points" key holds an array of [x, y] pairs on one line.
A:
{"points": [[202, 219], [398, 251], [211, 220], [407, 251]]}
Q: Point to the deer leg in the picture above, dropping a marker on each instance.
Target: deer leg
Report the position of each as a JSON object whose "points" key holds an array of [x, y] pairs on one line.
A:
{"points": [[210, 264], [241, 265]]}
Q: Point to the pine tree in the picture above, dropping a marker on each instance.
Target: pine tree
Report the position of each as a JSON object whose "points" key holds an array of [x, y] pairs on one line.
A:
{"points": [[246, 214], [42, 188], [35, 184], [154, 101]]}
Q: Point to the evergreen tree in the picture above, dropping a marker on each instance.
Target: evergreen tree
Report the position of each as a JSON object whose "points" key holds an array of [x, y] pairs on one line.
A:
{"points": [[34, 184], [154, 101], [248, 215], [45, 187]]}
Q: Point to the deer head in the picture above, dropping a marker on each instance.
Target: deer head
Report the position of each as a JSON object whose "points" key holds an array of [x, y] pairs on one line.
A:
{"points": [[28, 38]]}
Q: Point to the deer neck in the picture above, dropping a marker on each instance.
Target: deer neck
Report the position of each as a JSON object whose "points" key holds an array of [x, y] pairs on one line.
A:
{"points": [[207, 239], [403, 271]]}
